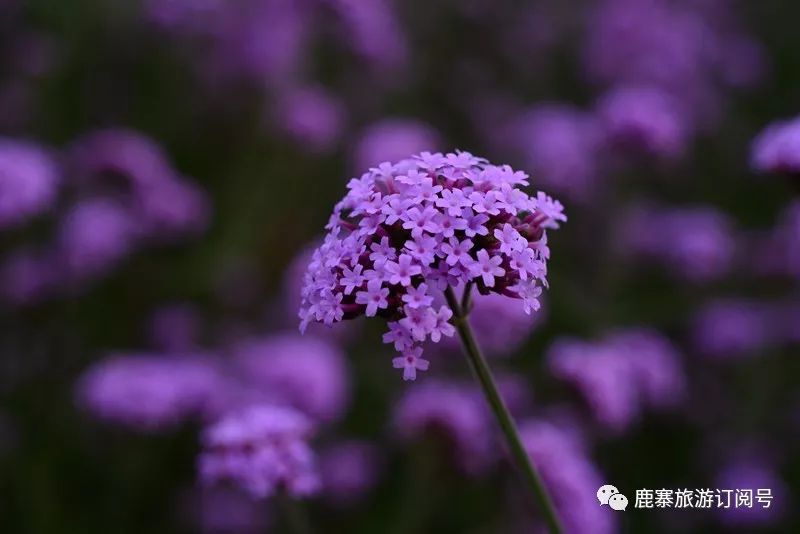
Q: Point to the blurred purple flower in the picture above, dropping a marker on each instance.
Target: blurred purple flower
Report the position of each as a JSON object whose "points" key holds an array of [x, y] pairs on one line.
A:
{"points": [[788, 319], [695, 242], [175, 328], [393, 139], [689, 49], [729, 329], [643, 120], [309, 374], [132, 169], [621, 374], [559, 143], [148, 392], [373, 31], [569, 475], [216, 510], [29, 181], [602, 377], [655, 365], [652, 41], [500, 325], [119, 160], [453, 412], [752, 474], [349, 470], [777, 249], [184, 15], [268, 40], [172, 209], [777, 148], [312, 117], [261, 449], [94, 237], [28, 275]]}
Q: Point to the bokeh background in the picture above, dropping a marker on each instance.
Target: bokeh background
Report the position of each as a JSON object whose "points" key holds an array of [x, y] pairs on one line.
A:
{"points": [[165, 165]]}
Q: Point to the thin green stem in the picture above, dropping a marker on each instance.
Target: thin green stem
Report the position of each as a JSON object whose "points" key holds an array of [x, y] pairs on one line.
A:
{"points": [[509, 428]]}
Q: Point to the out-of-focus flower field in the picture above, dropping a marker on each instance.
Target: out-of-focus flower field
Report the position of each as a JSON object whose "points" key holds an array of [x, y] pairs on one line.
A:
{"points": [[168, 168]]}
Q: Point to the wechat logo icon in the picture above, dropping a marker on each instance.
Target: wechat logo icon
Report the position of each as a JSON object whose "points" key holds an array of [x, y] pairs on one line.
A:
{"points": [[611, 496]]}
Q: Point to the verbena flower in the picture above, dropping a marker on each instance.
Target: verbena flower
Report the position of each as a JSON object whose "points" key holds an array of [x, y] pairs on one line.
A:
{"points": [[148, 392], [311, 375], [701, 240], [349, 470], [753, 474], [136, 172], [500, 325], [373, 31], [392, 139], [621, 374], [454, 412], [644, 120], [777, 148], [262, 449], [731, 329], [29, 181], [569, 474], [95, 236], [401, 234], [560, 144], [28, 275], [312, 117]]}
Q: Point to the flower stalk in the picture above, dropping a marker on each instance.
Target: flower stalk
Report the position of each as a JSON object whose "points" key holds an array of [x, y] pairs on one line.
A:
{"points": [[495, 400]]}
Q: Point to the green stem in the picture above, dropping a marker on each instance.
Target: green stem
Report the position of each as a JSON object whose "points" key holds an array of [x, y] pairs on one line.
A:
{"points": [[509, 428]]}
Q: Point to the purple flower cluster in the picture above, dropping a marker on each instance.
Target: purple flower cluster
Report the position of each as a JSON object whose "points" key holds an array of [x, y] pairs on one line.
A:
{"points": [[124, 196], [259, 405], [643, 120], [560, 145], [29, 182], [392, 139], [311, 117], [695, 242], [421, 225], [500, 325], [569, 475], [731, 329], [372, 30], [621, 374], [262, 449], [132, 169], [349, 470], [664, 66], [454, 412], [686, 48], [308, 374], [777, 148], [752, 473], [148, 392]]}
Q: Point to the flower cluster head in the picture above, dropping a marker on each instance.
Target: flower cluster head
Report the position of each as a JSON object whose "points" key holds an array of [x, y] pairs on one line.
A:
{"points": [[621, 375], [702, 239], [263, 449], [148, 392], [454, 412], [777, 148], [407, 230], [29, 181], [568, 473]]}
